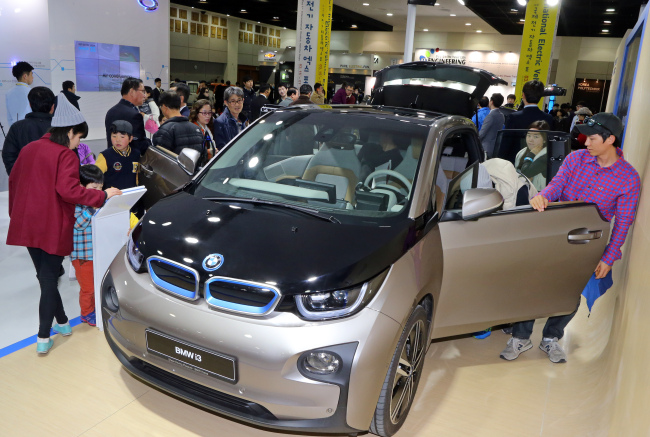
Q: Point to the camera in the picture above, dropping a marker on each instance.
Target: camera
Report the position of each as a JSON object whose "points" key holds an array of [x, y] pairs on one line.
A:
{"points": [[554, 91]]}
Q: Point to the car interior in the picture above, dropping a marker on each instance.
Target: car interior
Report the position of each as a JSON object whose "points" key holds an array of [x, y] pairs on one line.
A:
{"points": [[357, 165]]}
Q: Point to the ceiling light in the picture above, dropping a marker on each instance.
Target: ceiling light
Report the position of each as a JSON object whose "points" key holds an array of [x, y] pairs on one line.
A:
{"points": [[607, 22], [437, 4], [521, 19], [468, 24], [461, 2], [522, 2], [605, 30], [366, 4], [479, 31], [514, 10], [552, 2], [243, 10], [354, 26], [452, 15], [390, 14], [425, 30], [610, 10]]}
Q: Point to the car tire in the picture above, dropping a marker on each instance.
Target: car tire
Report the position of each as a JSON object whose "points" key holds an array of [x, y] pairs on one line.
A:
{"points": [[403, 376]]}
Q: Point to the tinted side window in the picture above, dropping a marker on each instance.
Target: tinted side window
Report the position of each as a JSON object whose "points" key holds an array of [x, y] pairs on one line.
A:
{"points": [[460, 150], [535, 154]]}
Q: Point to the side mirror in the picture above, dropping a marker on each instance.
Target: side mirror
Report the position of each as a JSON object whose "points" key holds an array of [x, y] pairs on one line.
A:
{"points": [[188, 159], [479, 202]]}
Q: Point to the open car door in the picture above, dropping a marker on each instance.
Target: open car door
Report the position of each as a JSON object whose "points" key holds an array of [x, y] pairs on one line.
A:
{"points": [[161, 173], [513, 265]]}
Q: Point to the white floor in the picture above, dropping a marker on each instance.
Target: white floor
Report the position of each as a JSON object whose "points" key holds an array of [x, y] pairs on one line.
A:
{"points": [[19, 291]]}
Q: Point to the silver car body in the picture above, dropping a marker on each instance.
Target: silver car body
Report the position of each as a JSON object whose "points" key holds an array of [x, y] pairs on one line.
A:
{"points": [[468, 275]]}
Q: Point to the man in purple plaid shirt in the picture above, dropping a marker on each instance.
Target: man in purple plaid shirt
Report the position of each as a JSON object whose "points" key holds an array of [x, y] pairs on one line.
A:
{"points": [[600, 175]]}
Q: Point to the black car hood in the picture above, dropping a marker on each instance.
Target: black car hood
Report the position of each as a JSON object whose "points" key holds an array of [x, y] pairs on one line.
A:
{"points": [[264, 243]]}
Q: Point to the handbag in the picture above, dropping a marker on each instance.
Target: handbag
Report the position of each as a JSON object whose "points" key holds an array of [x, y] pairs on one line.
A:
{"points": [[151, 126]]}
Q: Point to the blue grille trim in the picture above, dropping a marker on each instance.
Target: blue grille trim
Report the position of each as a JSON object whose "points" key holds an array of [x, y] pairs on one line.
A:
{"points": [[239, 308], [171, 288]]}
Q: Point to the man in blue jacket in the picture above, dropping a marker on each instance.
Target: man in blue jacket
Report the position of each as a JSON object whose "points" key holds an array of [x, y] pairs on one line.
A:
{"points": [[483, 111], [232, 120]]}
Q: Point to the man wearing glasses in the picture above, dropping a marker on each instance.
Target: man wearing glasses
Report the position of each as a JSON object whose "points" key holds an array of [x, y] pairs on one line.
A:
{"points": [[133, 96], [599, 175], [232, 120]]}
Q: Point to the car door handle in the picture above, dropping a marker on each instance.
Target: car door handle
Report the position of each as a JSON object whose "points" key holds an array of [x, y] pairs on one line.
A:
{"points": [[148, 172], [583, 236]]}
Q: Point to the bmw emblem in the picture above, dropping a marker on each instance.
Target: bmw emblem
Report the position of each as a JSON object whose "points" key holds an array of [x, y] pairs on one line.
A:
{"points": [[213, 262]]}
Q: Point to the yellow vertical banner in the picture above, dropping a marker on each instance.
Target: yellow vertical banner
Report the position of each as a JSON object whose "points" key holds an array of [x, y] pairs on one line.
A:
{"points": [[536, 44], [323, 50]]}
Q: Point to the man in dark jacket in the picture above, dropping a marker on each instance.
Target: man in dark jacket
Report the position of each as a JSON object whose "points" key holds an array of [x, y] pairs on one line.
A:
{"points": [[533, 92], [249, 95], [69, 89], [305, 95], [157, 91], [183, 92], [177, 133], [259, 101], [232, 120], [32, 127], [133, 96]]}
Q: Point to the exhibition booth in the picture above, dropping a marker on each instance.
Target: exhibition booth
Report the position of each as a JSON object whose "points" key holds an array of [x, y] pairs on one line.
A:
{"points": [[600, 391]]}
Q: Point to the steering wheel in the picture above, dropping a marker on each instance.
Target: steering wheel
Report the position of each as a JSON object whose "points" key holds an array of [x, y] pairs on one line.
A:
{"points": [[392, 173]]}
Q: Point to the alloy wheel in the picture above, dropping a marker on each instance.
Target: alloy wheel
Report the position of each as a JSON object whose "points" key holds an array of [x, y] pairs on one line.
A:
{"points": [[408, 369]]}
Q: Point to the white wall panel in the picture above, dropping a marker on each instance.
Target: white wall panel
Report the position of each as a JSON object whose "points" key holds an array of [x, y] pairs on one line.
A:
{"points": [[116, 22], [15, 17]]}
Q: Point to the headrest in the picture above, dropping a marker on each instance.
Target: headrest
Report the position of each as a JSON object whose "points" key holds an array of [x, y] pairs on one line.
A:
{"points": [[342, 141]]}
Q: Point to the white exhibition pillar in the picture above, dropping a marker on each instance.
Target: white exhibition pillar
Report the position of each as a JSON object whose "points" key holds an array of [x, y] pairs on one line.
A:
{"points": [[110, 231], [410, 32]]}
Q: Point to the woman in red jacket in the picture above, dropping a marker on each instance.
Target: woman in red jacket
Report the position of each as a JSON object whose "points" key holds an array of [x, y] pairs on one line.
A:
{"points": [[44, 188]]}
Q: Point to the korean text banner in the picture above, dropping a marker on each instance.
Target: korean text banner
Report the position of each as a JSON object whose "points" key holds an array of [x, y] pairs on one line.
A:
{"points": [[324, 33], [536, 44], [313, 41]]}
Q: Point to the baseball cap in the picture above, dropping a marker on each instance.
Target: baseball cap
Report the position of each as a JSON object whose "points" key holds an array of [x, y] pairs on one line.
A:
{"points": [[122, 126], [601, 123]]}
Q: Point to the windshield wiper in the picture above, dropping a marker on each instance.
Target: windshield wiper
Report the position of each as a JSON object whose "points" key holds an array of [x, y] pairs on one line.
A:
{"points": [[255, 200]]}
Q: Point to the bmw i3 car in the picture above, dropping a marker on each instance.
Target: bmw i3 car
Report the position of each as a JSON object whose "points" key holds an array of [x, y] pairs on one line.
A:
{"points": [[298, 279]]}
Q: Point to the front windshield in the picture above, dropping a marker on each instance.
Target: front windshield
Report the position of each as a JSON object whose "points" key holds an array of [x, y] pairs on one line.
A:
{"points": [[348, 164]]}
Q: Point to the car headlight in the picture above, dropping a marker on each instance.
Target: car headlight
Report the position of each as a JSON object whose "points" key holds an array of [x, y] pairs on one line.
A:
{"points": [[133, 254], [338, 303]]}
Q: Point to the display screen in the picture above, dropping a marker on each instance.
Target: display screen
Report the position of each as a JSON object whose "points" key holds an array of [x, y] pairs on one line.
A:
{"points": [[103, 67]]}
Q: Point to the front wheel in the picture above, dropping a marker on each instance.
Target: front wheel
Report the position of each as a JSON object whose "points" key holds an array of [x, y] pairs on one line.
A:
{"points": [[403, 376]]}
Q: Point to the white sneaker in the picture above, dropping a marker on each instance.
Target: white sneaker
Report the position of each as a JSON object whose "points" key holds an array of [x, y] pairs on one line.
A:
{"points": [[515, 347], [554, 350]]}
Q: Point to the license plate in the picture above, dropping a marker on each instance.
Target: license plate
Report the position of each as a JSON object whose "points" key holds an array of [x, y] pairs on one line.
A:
{"points": [[195, 357]]}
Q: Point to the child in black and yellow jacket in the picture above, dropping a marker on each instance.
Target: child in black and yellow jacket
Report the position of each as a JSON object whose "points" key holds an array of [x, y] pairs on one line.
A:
{"points": [[120, 163]]}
